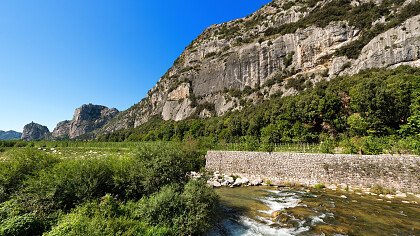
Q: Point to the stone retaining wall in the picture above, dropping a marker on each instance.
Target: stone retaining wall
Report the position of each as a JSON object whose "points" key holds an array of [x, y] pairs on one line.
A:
{"points": [[398, 172]]}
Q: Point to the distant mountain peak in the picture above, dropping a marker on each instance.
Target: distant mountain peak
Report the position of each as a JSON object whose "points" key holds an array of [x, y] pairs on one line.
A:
{"points": [[9, 135]]}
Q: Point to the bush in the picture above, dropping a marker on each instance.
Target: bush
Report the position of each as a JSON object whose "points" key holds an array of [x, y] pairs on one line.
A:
{"points": [[107, 217], [327, 145], [160, 208], [174, 210], [187, 211], [20, 165], [21, 225], [166, 163], [374, 145], [68, 184], [319, 186], [198, 210]]}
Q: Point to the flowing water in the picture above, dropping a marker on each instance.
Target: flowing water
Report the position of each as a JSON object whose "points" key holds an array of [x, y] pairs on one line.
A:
{"points": [[300, 211]]}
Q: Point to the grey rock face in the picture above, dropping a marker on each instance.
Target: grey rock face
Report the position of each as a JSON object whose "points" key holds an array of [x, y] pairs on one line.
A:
{"points": [[62, 130], [34, 131], [86, 118], [237, 55], [9, 135]]}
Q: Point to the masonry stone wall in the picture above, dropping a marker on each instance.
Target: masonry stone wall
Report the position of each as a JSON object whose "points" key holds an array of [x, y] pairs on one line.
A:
{"points": [[398, 172]]}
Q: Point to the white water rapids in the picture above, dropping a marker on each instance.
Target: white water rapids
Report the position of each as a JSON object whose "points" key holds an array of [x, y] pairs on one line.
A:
{"points": [[265, 225]]}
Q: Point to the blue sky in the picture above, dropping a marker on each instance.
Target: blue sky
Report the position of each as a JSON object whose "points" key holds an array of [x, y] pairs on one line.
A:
{"points": [[56, 55]]}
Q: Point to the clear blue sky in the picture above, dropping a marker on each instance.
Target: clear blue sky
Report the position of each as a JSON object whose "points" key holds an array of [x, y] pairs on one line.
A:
{"points": [[56, 55]]}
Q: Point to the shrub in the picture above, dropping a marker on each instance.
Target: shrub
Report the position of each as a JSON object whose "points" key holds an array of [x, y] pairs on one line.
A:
{"points": [[327, 144], [21, 225], [319, 186], [199, 209], [160, 208], [18, 166], [103, 218], [373, 145], [166, 163], [67, 184]]}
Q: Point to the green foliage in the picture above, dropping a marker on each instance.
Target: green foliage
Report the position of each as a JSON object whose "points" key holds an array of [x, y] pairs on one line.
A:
{"points": [[147, 193], [319, 186], [174, 210], [21, 225], [211, 54], [68, 184], [327, 144], [297, 83], [165, 163], [199, 209], [251, 143], [19, 165], [75, 181], [357, 125], [106, 217]]}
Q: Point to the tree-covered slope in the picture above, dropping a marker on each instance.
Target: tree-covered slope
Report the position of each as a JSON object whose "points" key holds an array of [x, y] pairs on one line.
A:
{"points": [[375, 103]]}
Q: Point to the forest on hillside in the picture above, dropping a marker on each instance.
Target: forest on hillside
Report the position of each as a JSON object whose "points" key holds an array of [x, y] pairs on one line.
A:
{"points": [[375, 111]]}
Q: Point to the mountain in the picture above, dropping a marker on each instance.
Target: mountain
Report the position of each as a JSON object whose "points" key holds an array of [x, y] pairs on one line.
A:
{"points": [[86, 119], [34, 131], [279, 50], [9, 135]]}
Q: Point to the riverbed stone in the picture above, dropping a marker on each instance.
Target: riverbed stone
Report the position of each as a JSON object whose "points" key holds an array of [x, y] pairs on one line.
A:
{"points": [[256, 182]]}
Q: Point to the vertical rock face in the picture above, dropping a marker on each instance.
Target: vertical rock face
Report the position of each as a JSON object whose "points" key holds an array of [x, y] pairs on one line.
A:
{"points": [[62, 130], [284, 40], [34, 131], [9, 135], [86, 119]]}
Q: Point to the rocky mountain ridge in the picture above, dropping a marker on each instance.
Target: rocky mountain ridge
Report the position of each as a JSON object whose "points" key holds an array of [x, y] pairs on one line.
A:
{"points": [[34, 131], [279, 50], [9, 135], [86, 119]]}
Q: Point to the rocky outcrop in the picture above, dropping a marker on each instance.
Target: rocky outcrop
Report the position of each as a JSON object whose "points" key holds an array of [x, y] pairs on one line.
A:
{"points": [[62, 130], [251, 59], [86, 119], [34, 131], [9, 135]]}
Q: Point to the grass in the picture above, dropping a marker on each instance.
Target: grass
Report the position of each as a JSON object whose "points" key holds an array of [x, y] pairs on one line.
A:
{"points": [[319, 186], [378, 189]]}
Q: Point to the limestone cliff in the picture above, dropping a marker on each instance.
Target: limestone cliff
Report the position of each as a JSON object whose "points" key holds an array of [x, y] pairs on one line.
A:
{"points": [[86, 119], [34, 131], [251, 59]]}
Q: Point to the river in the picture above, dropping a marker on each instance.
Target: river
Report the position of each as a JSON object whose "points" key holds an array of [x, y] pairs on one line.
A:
{"points": [[306, 211]]}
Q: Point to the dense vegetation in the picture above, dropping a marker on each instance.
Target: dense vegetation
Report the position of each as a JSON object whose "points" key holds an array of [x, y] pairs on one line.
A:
{"points": [[375, 111], [147, 193]]}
